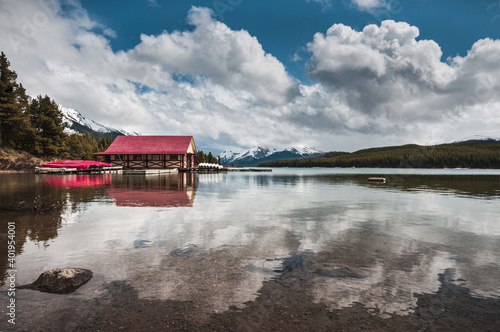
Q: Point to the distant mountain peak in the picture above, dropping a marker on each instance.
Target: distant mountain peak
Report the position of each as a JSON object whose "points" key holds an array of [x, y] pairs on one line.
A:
{"points": [[304, 150], [75, 122], [258, 154]]}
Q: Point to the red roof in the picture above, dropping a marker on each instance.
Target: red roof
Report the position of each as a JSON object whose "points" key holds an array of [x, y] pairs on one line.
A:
{"points": [[149, 145]]}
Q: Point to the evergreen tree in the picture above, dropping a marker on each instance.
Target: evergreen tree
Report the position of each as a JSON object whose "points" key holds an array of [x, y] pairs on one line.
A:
{"points": [[204, 158], [47, 119], [16, 130], [81, 147], [201, 157], [211, 159], [26, 133]]}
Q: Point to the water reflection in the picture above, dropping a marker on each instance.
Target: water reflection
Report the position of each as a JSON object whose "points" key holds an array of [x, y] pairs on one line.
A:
{"points": [[395, 268], [41, 204], [356, 242], [35, 209], [472, 185], [484, 186], [154, 191], [76, 180]]}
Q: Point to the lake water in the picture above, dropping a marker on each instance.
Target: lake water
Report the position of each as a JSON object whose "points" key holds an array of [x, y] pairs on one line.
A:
{"points": [[216, 238]]}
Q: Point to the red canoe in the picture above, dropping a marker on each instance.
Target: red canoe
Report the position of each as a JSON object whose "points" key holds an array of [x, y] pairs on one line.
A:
{"points": [[80, 164]]}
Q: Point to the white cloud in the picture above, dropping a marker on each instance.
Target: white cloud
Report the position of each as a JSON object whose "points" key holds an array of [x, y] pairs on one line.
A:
{"points": [[379, 86], [384, 73], [227, 82], [109, 33], [227, 57], [369, 5]]}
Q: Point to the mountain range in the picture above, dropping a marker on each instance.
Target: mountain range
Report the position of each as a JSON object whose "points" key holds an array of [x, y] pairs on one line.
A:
{"points": [[257, 154], [75, 122]]}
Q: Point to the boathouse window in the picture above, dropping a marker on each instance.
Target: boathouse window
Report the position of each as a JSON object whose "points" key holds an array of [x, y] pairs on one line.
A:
{"points": [[137, 157], [117, 157], [174, 157], [155, 157]]}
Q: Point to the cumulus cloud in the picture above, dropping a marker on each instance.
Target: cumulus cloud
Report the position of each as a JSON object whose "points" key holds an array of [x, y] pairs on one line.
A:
{"points": [[227, 57], [212, 81], [378, 86], [385, 73]]}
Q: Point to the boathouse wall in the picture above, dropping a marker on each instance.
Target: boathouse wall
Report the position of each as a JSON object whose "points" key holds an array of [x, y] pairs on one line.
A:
{"points": [[151, 152]]}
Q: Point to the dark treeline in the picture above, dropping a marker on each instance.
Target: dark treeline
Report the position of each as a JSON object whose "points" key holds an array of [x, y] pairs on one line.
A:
{"points": [[35, 125], [201, 157], [470, 154]]}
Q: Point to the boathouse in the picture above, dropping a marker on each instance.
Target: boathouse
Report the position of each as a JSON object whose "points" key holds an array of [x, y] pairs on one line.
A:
{"points": [[151, 152]]}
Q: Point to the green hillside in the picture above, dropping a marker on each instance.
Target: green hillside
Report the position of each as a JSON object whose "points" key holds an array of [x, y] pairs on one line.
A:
{"points": [[469, 154]]}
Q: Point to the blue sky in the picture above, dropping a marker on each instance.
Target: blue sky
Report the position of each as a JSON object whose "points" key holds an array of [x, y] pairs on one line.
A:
{"points": [[285, 27], [333, 74]]}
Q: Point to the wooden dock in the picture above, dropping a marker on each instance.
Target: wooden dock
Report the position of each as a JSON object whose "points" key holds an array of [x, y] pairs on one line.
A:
{"points": [[248, 169], [97, 170], [203, 170], [225, 169], [149, 171]]}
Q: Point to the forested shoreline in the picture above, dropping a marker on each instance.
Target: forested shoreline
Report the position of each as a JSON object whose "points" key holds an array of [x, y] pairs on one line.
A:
{"points": [[469, 154]]}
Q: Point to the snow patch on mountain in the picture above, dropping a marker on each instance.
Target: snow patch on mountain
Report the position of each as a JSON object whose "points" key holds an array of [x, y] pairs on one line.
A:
{"points": [[72, 116], [255, 154], [305, 150]]}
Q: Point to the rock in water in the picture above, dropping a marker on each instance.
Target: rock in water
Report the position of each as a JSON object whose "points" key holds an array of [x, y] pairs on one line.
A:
{"points": [[60, 281]]}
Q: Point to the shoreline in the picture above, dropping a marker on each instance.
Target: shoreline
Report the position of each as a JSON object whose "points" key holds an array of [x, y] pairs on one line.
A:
{"points": [[8, 171]]}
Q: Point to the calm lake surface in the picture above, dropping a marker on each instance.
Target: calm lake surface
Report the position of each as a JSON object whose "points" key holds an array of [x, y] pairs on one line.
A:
{"points": [[215, 238]]}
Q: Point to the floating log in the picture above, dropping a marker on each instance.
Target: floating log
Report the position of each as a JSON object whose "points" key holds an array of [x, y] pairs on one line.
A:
{"points": [[376, 180]]}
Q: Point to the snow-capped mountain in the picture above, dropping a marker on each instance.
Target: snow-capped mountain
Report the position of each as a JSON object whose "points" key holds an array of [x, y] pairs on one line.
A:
{"points": [[244, 156], [75, 122], [304, 151], [257, 154]]}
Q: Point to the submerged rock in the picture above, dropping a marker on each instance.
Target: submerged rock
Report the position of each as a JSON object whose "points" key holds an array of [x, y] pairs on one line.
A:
{"points": [[342, 272], [186, 251], [293, 262], [60, 281]]}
